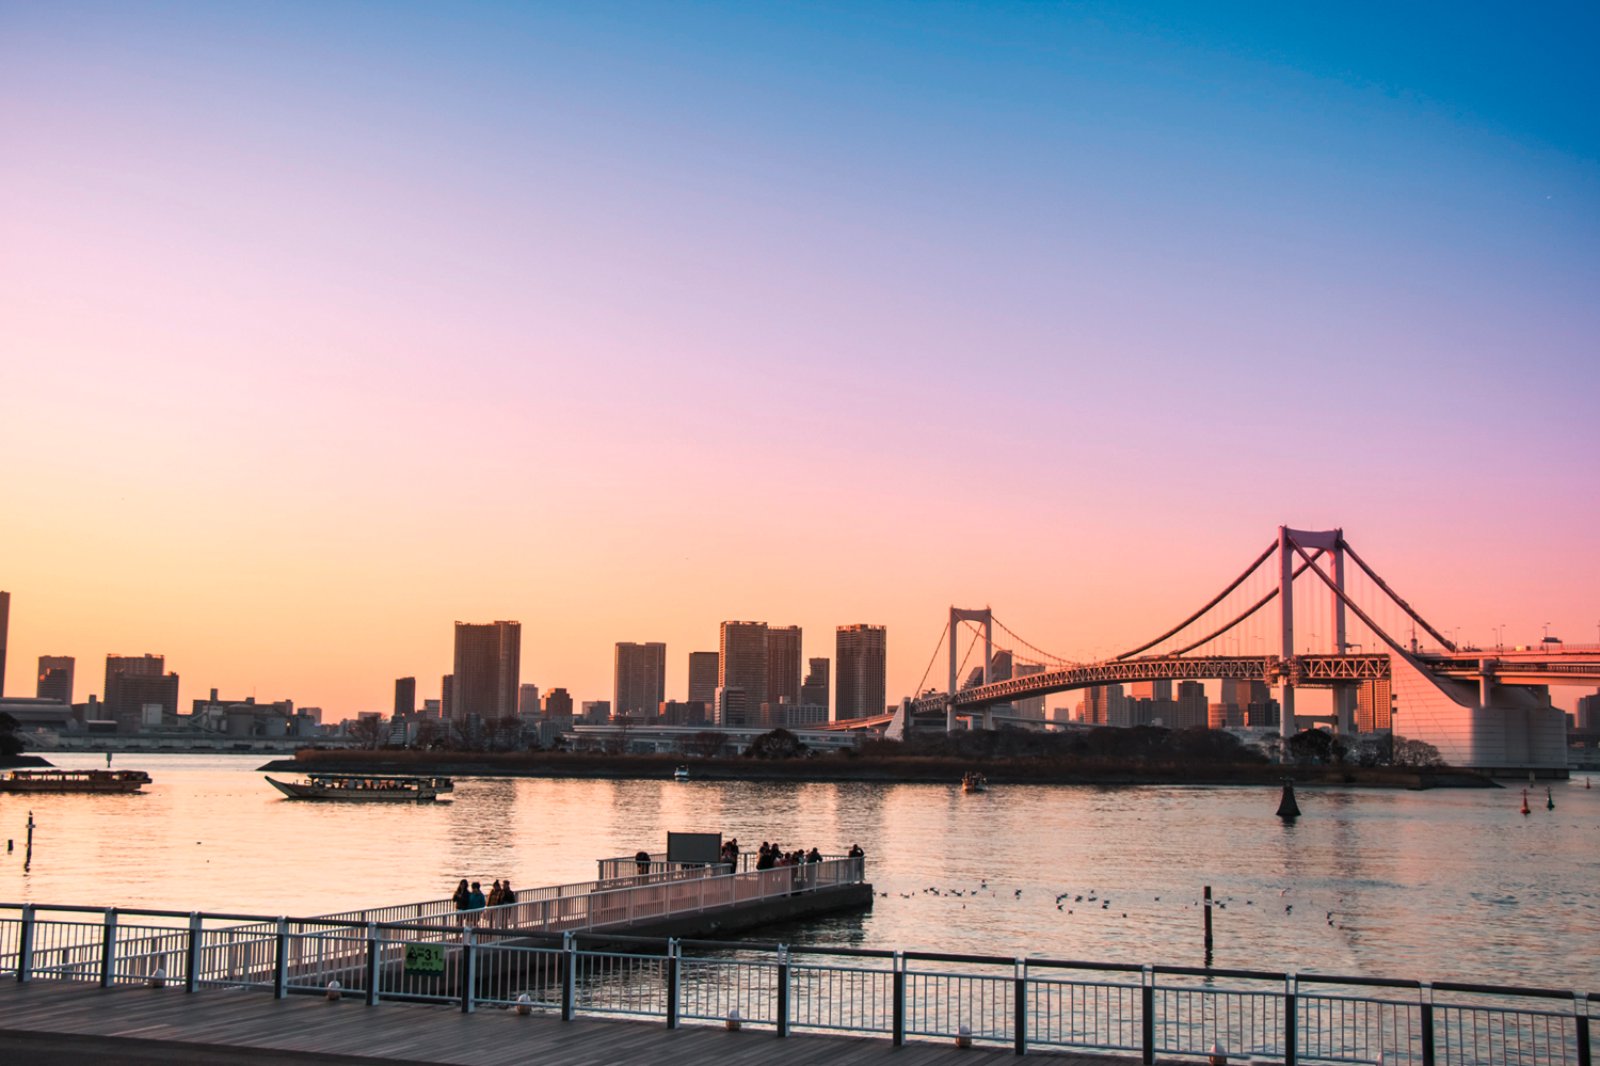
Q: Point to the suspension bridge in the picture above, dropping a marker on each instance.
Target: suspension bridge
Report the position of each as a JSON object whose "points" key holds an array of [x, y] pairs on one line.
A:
{"points": [[1300, 604]]}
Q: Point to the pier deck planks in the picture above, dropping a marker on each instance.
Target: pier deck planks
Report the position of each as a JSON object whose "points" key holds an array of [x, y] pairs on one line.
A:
{"points": [[415, 1033]]}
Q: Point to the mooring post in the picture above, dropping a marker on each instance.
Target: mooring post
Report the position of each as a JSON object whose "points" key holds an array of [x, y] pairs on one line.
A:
{"points": [[899, 999], [108, 948], [569, 983], [191, 962], [25, 947], [374, 951], [1019, 1008], [1291, 1036], [1147, 1016], [673, 976], [783, 990], [280, 970], [1207, 908]]}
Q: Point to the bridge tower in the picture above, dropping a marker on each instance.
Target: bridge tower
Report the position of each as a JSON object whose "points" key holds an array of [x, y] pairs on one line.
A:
{"points": [[1331, 542], [957, 616]]}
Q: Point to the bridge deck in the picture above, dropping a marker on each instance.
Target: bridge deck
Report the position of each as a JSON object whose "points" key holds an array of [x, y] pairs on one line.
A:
{"points": [[415, 1033]]}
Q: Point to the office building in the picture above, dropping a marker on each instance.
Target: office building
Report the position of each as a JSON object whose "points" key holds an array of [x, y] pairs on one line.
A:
{"points": [[783, 664], [488, 670], [558, 703], [5, 628], [743, 665], [405, 697], [1193, 710], [1029, 707], [703, 667], [815, 689], [528, 701], [55, 678], [447, 696], [640, 680], [138, 693], [1374, 707], [1587, 716], [861, 656]]}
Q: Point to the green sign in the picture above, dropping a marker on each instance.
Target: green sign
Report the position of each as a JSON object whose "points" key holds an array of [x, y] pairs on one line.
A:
{"points": [[425, 959]]}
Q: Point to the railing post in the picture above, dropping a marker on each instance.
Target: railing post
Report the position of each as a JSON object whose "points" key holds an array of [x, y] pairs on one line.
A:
{"points": [[374, 950], [673, 975], [469, 970], [569, 983], [280, 969], [1019, 1009], [1580, 1007], [1147, 1015], [899, 999], [783, 990], [25, 946], [1291, 1019], [1426, 994], [108, 948], [191, 962]]}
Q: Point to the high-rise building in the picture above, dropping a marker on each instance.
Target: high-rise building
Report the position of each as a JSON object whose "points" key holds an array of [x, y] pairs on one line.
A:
{"points": [[641, 680], [814, 690], [743, 663], [447, 696], [405, 697], [1193, 710], [488, 669], [1374, 706], [5, 628], [783, 664], [1588, 713], [703, 677], [135, 682], [55, 678], [1152, 690], [861, 656], [528, 701], [558, 703], [1029, 707]]}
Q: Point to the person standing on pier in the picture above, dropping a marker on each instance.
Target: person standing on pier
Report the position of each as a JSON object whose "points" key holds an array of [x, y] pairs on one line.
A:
{"points": [[475, 902], [462, 898]]}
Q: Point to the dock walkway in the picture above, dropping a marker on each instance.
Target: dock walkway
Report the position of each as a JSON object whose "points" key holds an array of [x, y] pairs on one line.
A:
{"points": [[187, 1024]]}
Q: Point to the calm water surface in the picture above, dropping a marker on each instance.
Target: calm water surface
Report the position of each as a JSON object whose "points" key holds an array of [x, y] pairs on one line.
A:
{"points": [[1440, 884]]}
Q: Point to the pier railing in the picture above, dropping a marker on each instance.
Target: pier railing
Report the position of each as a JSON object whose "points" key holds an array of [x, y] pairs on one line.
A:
{"points": [[1032, 1003]]}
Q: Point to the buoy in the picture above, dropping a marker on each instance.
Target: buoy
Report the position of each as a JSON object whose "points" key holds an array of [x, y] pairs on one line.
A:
{"points": [[1524, 801], [524, 1004], [1219, 1054], [963, 1036], [1288, 809], [333, 991], [734, 1020], [158, 977], [1549, 800]]}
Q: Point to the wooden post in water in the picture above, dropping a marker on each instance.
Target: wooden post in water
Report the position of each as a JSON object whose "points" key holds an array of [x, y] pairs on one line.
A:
{"points": [[1207, 908]]}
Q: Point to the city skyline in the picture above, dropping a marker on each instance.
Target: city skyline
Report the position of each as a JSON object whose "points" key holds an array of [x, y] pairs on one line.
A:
{"points": [[327, 326]]}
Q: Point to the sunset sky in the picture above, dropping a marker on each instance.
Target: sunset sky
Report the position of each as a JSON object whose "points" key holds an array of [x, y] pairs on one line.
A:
{"points": [[324, 325]]}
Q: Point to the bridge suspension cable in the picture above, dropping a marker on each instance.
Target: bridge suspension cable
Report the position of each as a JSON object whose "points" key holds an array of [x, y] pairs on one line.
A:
{"points": [[933, 659], [1262, 602], [1214, 601], [1048, 657], [1359, 613], [1403, 605]]}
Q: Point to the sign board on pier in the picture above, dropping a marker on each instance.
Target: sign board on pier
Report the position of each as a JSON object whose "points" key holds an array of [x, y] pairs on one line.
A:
{"points": [[424, 960]]}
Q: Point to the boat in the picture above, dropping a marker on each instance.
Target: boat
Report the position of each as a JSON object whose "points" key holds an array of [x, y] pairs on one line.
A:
{"points": [[106, 781], [371, 788], [681, 774], [972, 781]]}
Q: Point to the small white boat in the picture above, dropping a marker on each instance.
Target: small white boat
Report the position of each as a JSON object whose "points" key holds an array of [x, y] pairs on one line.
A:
{"points": [[370, 788], [681, 774]]}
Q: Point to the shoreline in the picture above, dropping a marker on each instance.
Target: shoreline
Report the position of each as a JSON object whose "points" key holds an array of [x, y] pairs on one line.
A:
{"points": [[877, 770]]}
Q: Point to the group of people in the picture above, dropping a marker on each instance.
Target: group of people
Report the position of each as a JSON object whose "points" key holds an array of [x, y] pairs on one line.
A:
{"points": [[470, 898], [771, 855]]}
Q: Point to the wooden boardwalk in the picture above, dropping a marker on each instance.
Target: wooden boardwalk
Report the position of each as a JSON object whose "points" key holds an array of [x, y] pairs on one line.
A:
{"points": [[244, 1021]]}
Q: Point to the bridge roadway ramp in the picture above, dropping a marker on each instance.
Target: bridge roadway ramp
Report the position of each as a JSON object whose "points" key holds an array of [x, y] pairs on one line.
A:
{"points": [[45, 1023]]}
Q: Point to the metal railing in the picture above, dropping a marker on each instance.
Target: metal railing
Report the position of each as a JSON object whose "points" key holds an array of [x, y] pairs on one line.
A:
{"points": [[1031, 1003]]}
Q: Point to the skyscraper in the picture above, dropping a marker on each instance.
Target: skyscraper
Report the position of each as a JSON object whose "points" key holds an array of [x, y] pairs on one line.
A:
{"points": [[5, 627], [743, 663], [405, 697], [783, 664], [862, 656], [488, 669], [814, 691], [55, 678], [703, 672], [528, 701], [641, 680]]}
